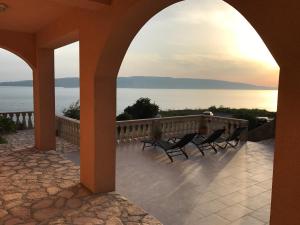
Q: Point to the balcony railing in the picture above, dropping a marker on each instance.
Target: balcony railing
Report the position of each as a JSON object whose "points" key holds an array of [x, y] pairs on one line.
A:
{"points": [[135, 130], [68, 129], [23, 120]]}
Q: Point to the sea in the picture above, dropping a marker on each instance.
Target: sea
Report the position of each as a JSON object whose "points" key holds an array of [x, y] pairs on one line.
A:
{"points": [[16, 99]]}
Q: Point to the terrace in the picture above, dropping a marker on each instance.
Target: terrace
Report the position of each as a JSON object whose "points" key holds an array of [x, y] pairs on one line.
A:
{"points": [[231, 187], [105, 30]]}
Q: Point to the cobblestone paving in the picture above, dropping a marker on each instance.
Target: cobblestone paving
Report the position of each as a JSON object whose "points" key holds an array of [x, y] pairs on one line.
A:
{"points": [[43, 188], [25, 139]]}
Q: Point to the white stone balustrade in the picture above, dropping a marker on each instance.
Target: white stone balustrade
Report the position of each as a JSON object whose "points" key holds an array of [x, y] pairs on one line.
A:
{"points": [[135, 130], [23, 120], [68, 129]]}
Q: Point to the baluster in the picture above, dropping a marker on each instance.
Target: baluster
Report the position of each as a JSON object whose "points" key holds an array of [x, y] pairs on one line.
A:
{"points": [[163, 128], [130, 132], [77, 134], [29, 122], [24, 123], [127, 133], [17, 119], [72, 132], [149, 129], [143, 130], [134, 132], [10, 116], [190, 127], [118, 131], [169, 128], [178, 126], [139, 131], [125, 130]]}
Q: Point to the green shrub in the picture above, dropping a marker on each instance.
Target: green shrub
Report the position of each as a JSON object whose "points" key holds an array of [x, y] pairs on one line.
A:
{"points": [[73, 111], [141, 109], [124, 116], [246, 114], [7, 125]]}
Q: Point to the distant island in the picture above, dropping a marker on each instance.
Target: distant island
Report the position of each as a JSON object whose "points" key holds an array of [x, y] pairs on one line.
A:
{"points": [[143, 82]]}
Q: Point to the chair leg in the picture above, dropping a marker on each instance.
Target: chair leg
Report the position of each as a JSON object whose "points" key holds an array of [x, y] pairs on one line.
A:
{"points": [[234, 145], [183, 152], [170, 157], [144, 145], [222, 147], [201, 150], [214, 148]]}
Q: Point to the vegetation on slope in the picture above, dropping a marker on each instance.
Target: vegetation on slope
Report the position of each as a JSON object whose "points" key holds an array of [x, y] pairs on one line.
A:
{"points": [[143, 108]]}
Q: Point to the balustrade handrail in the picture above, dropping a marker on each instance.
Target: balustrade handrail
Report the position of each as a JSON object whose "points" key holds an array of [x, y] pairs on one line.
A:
{"points": [[68, 119], [180, 117], [15, 112]]}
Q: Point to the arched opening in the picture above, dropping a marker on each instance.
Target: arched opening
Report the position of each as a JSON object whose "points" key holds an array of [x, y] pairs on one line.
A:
{"points": [[67, 76], [16, 101], [188, 41], [67, 99]]}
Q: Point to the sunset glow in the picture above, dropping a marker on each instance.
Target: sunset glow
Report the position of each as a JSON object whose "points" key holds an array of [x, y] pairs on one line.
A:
{"points": [[197, 39]]}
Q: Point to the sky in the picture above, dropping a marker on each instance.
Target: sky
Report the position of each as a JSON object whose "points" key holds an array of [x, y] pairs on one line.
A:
{"points": [[193, 39]]}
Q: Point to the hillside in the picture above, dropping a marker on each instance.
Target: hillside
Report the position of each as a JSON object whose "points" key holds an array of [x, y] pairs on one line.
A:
{"points": [[154, 83]]}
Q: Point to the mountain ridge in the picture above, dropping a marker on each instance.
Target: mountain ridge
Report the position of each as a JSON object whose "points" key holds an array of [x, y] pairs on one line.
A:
{"points": [[151, 82]]}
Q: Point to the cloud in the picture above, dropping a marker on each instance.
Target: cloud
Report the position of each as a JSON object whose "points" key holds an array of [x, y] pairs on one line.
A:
{"points": [[12, 67], [201, 39], [220, 67]]}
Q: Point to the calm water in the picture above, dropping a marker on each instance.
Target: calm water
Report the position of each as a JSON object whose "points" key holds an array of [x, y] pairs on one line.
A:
{"points": [[20, 98]]}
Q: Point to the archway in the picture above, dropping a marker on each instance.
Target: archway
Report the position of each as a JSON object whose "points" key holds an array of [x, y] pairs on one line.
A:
{"points": [[17, 94], [179, 192]]}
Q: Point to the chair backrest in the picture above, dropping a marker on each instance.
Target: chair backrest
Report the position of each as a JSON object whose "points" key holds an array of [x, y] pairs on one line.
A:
{"points": [[185, 140], [236, 134], [214, 136]]}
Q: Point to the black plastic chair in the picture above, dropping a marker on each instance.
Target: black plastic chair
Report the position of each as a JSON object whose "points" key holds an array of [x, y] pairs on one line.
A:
{"points": [[234, 139], [176, 149], [204, 143]]}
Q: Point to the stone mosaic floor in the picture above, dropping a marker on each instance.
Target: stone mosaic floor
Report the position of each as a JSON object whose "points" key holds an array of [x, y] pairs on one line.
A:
{"points": [[38, 188], [232, 187]]}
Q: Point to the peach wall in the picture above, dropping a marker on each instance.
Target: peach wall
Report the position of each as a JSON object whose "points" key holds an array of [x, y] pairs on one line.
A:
{"points": [[286, 181]]}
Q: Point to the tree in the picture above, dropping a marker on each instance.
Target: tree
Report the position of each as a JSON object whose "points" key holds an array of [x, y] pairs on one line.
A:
{"points": [[141, 109]]}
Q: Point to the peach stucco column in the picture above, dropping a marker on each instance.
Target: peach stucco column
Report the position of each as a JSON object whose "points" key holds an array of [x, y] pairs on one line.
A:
{"points": [[286, 180], [97, 118], [44, 99], [97, 133]]}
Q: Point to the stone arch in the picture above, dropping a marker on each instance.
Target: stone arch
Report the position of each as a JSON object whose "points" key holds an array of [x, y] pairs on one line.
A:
{"points": [[17, 54], [127, 26], [22, 45]]}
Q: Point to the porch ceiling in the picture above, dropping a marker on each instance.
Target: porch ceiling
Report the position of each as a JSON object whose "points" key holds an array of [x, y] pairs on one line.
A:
{"points": [[32, 15]]}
